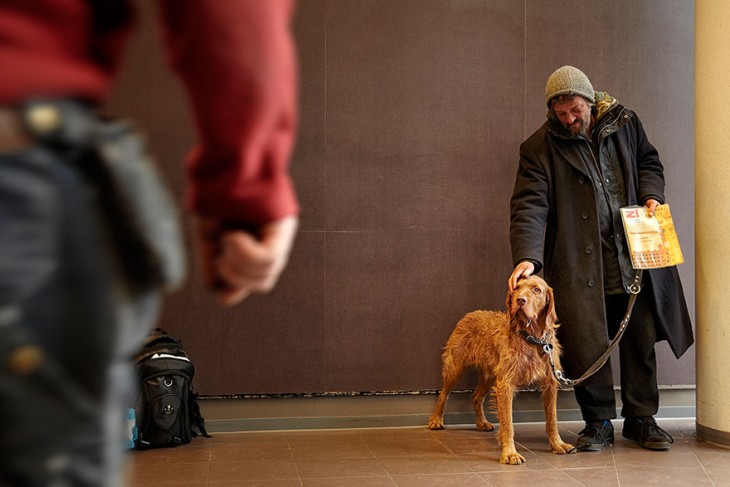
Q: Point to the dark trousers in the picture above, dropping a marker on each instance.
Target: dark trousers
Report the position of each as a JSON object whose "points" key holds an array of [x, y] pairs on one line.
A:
{"points": [[61, 291], [639, 392]]}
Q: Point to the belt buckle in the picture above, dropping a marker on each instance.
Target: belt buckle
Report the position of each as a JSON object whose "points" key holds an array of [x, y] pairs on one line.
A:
{"points": [[42, 118]]}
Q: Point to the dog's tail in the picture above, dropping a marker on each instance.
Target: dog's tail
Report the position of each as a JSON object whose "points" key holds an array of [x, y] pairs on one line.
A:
{"points": [[447, 360]]}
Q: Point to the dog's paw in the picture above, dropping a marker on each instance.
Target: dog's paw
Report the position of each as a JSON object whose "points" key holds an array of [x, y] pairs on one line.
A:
{"points": [[563, 448], [435, 424], [511, 458], [484, 425]]}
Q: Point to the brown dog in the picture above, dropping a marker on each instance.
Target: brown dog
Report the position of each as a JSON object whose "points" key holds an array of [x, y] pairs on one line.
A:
{"points": [[496, 343]]}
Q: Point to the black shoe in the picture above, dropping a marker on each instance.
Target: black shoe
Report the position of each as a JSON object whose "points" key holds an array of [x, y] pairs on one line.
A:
{"points": [[646, 433], [596, 436]]}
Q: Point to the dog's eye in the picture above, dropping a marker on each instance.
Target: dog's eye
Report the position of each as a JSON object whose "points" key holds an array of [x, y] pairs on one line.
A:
{"points": [[536, 290]]}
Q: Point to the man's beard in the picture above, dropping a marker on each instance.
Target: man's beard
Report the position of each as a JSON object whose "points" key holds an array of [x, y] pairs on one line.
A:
{"points": [[579, 127]]}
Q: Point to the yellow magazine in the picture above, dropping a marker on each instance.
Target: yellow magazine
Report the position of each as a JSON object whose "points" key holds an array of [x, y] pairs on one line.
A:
{"points": [[653, 242]]}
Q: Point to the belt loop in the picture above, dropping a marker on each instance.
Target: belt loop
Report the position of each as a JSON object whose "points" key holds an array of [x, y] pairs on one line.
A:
{"points": [[13, 136]]}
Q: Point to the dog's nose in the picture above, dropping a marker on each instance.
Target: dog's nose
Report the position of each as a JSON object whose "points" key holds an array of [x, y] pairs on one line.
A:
{"points": [[521, 301]]}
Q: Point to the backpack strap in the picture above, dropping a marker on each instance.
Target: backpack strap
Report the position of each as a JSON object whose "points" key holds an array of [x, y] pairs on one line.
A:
{"points": [[196, 418]]}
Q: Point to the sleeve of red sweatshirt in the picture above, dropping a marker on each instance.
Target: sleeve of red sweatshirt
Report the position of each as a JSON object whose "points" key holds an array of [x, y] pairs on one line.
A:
{"points": [[237, 61]]}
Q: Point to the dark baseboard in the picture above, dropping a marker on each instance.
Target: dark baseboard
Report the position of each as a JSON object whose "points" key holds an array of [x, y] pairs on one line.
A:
{"points": [[713, 436], [392, 411]]}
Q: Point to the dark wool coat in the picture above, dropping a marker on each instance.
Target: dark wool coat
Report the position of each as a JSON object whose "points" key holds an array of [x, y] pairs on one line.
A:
{"points": [[554, 223]]}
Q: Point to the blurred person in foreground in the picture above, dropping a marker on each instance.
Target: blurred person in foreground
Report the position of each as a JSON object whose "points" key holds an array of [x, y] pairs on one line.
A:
{"points": [[71, 311], [590, 158]]}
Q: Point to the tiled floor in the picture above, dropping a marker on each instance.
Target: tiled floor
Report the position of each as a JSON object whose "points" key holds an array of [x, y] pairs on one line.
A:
{"points": [[458, 456]]}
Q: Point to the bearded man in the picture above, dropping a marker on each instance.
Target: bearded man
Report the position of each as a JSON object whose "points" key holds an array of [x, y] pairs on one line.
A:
{"points": [[589, 159]]}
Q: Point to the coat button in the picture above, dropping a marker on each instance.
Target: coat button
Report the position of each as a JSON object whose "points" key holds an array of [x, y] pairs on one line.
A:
{"points": [[581, 180], [584, 215], [591, 283], [589, 250]]}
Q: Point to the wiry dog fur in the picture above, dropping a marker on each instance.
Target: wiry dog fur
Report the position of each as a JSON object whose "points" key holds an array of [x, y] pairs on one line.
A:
{"points": [[491, 341]]}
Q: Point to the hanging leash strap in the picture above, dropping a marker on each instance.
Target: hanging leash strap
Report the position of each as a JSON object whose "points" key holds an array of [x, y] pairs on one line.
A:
{"points": [[547, 348]]}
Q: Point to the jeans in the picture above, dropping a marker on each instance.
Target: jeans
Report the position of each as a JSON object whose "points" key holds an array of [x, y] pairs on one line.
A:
{"points": [[62, 290]]}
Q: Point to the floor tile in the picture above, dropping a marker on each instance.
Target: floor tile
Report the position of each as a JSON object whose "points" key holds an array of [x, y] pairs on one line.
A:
{"points": [[459, 456], [424, 464], [398, 448], [253, 450], [180, 454], [351, 482], [456, 480], [254, 470], [546, 478], [594, 477], [414, 433], [629, 454], [246, 437], [327, 436], [340, 468], [169, 473], [719, 474], [489, 462], [666, 477], [257, 483], [709, 454], [178, 483], [333, 449], [462, 432], [589, 459], [470, 445]]}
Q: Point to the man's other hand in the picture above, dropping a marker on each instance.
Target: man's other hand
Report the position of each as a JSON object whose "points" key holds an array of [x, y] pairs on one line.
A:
{"points": [[236, 263]]}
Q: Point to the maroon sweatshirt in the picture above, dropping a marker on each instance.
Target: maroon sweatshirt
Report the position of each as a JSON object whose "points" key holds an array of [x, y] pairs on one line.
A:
{"points": [[235, 57]]}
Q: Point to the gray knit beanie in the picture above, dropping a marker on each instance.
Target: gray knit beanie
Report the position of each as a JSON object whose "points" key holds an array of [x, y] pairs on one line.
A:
{"points": [[568, 80]]}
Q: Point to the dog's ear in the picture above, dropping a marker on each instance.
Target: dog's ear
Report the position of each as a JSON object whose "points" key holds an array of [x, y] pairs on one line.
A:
{"points": [[508, 303], [551, 317]]}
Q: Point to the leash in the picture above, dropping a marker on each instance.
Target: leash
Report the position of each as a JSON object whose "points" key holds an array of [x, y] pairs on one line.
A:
{"points": [[547, 348]]}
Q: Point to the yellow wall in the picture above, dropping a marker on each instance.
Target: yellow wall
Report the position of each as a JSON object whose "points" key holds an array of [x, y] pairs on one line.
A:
{"points": [[712, 217]]}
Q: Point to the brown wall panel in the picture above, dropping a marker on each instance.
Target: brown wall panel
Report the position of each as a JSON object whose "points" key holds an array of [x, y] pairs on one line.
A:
{"points": [[643, 54], [411, 115]]}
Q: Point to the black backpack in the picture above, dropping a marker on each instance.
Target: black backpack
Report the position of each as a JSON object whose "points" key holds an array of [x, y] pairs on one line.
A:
{"points": [[167, 412]]}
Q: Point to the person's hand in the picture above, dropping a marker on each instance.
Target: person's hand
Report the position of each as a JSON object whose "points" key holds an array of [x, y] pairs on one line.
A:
{"points": [[651, 205], [236, 263], [523, 269]]}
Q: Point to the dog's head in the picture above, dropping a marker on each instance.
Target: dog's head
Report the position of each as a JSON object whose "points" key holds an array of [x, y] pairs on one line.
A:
{"points": [[532, 306]]}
